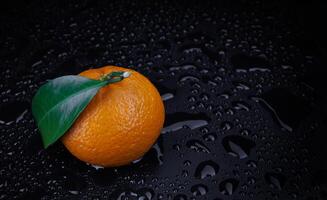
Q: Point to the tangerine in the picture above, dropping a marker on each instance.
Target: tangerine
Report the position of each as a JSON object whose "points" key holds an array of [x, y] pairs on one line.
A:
{"points": [[121, 122]]}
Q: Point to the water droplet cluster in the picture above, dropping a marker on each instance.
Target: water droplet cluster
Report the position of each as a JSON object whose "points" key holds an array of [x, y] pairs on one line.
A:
{"points": [[243, 119]]}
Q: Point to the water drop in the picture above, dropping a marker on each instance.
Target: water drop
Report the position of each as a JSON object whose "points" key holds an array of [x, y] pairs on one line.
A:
{"points": [[187, 163], [241, 86], [224, 95], [184, 67], [188, 78], [74, 192], [238, 146], [238, 105], [228, 187], [159, 153], [126, 195], [251, 164], [259, 69], [145, 194], [167, 96], [275, 180], [96, 167], [226, 126], [206, 169], [177, 121], [199, 190], [192, 124], [287, 109], [274, 113], [209, 137], [137, 160], [198, 146], [184, 173]]}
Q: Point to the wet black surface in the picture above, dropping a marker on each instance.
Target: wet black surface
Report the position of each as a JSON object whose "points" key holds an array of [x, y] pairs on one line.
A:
{"points": [[243, 87]]}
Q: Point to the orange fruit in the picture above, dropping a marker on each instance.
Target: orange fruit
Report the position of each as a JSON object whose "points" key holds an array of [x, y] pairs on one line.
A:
{"points": [[121, 122]]}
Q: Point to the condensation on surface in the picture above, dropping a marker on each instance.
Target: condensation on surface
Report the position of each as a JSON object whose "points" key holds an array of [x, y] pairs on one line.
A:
{"points": [[242, 122]]}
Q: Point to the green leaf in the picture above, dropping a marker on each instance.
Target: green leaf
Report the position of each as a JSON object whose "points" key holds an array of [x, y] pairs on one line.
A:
{"points": [[58, 103]]}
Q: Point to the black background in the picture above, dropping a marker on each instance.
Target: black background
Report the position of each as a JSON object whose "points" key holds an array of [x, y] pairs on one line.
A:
{"points": [[253, 72]]}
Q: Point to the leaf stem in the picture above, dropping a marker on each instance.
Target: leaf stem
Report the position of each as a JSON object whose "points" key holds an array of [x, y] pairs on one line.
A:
{"points": [[114, 77]]}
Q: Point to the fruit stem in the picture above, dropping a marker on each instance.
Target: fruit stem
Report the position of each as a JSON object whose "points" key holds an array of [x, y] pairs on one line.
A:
{"points": [[114, 77]]}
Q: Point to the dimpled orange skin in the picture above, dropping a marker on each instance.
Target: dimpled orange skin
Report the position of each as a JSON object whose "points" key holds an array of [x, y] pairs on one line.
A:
{"points": [[121, 122]]}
